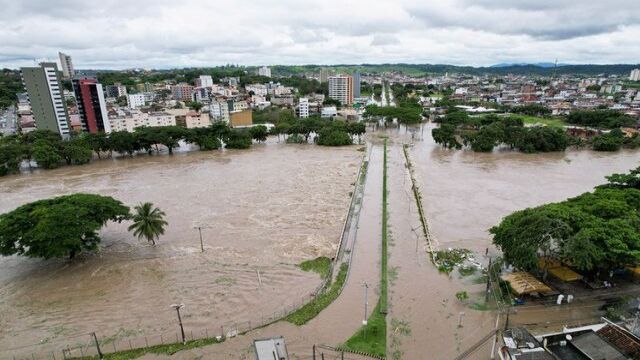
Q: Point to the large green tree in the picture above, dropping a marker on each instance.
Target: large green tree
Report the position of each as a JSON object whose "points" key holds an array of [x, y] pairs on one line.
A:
{"points": [[596, 231], [58, 227]]}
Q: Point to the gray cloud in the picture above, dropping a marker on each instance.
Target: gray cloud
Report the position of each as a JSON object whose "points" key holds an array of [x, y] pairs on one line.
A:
{"points": [[169, 33]]}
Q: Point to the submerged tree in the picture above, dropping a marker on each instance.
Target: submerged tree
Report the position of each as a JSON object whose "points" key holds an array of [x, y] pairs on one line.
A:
{"points": [[148, 222], [58, 227]]}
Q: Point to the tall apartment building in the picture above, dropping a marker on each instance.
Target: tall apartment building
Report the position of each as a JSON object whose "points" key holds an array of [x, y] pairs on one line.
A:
{"points": [[205, 81], [341, 89], [324, 75], [92, 107], [182, 92], [116, 90], [635, 75], [67, 65], [135, 101], [44, 88], [356, 84], [303, 108], [264, 71], [219, 111]]}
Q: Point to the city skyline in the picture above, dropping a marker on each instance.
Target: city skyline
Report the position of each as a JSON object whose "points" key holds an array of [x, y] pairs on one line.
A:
{"points": [[159, 34]]}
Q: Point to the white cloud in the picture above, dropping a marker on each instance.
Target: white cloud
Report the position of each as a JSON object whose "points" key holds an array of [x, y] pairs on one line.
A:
{"points": [[163, 33]]}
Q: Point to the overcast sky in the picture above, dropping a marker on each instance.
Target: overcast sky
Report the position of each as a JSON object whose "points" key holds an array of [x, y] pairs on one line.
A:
{"points": [[177, 33]]}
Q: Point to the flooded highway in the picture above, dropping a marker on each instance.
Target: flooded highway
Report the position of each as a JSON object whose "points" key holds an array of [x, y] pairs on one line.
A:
{"points": [[263, 211]]}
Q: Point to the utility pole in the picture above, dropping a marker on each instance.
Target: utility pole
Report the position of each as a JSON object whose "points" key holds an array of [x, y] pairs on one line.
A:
{"points": [[178, 307], [486, 296], [201, 243], [95, 338]]}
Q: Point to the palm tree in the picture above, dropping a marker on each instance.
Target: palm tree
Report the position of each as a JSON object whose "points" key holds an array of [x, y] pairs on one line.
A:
{"points": [[148, 222]]}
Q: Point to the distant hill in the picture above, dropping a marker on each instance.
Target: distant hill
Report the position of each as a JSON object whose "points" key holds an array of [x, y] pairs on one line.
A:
{"points": [[542, 69], [540, 64]]}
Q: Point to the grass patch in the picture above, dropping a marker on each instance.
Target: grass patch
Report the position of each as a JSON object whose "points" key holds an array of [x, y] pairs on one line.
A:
{"points": [[320, 265], [538, 120], [168, 349], [447, 260], [467, 270], [480, 306], [371, 338], [320, 302]]}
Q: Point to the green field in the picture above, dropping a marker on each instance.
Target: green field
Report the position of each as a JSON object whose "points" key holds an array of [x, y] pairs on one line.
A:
{"points": [[533, 120]]}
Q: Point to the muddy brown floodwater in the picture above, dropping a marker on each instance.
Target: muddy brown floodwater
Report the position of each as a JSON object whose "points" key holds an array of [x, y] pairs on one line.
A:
{"points": [[265, 209], [466, 193]]}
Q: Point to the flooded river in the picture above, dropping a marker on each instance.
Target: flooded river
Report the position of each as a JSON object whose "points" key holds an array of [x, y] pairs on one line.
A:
{"points": [[263, 211]]}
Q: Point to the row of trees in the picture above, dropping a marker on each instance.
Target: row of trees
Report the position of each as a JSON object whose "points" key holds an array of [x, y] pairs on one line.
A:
{"points": [[49, 150], [594, 232], [602, 119], [457, 130], [329, 132], [407, 111], [66, 225], [484, 133]]}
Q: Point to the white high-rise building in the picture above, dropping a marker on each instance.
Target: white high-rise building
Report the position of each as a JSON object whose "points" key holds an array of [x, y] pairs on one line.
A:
{"points": [[219, 111], [67, 65], [303, 108], [205, 81], [635, 75], [264, 71], [136, 100], [341, 89]]}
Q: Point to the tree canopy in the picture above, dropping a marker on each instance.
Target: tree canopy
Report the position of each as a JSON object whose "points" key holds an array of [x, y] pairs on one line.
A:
{"points": [[58, 227], [596, 231]]}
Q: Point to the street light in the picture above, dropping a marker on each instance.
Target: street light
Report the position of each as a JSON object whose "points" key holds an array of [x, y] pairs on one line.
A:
{"points": [[366, 302], [178, 307], [200, 231]]}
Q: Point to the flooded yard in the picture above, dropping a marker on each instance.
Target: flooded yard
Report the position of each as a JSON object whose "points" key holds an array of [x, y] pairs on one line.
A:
{"points": [[263, 211]]}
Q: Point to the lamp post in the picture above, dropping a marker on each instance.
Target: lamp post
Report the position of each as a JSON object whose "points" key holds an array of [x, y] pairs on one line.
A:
{"points": [[200, 232], [366, 302], [178, 307]]}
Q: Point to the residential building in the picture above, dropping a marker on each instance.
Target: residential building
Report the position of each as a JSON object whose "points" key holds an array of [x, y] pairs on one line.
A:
{"points": [[324, 75], [92, 108], [341, 89], [219, 111], [201, 94], [303, 108], [329, 112], [182, 92], [237, 105], [44, 88], [193, 120], [130, 120], [67, 65], [116, 90], [258, 89], [635, 75], [264, 71], [242, 118], [136, 101], [204, 81], [356, 84]]}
